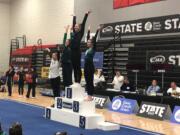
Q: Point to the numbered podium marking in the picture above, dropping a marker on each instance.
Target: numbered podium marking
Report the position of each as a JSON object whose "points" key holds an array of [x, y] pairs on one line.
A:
{"points": [[82, 122], [59, 103], [48, 113], [76, 106], [69, 93]]}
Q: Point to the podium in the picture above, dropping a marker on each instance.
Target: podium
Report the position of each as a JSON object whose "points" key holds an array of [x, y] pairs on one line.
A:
{"points": [[73, 110]]}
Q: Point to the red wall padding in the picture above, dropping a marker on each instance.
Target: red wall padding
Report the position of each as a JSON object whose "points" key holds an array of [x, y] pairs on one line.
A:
{"points": [[121, 3], [29, 49], [127, 3], [135, 2], [146, 1]]}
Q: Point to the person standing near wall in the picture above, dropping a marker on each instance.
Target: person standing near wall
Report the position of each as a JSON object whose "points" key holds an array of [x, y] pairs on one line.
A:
{"points": [[66, 59], [78, 33], [10, 74], [54, 72], [32, 81], [89, 65], [21, 79]]}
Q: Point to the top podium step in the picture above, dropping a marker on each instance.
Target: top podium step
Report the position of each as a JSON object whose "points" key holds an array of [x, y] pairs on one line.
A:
{"points": [[75, 92]]}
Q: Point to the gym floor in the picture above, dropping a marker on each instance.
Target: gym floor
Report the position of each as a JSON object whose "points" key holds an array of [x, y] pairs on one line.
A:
{"points": [[164, 127]]}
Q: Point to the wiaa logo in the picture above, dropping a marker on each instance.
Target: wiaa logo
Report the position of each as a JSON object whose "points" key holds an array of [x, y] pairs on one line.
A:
{"points": [[148, 26], [158, 59], [108, 29], [177, 116], [116, 104]]}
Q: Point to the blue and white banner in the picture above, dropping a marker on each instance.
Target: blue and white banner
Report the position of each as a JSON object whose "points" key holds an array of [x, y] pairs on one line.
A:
{"points": [[98, 60], [175, 117], [123, 105]]}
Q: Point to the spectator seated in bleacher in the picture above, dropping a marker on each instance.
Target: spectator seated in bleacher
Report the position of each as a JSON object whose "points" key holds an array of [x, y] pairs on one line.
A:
{"points": [[16, 129], [3, 83], [118, 81], [153, 89], [127, 86], [99, 80], [174, 90]]}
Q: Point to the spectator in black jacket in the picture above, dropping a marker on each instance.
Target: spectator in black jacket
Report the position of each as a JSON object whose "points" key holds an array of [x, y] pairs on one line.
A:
{"points": [[78, 33], [10, 74], [21, 79], [31, 79], [127, 86], [16, 129]]}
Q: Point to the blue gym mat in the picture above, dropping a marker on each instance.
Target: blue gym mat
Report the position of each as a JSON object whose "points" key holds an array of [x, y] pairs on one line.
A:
{"points": [[31, 117]]}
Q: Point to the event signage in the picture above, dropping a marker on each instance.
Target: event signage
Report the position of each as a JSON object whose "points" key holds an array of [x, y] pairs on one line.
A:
{"points": [[23, 60], [44, 72], [101, 101], [175, 117], [169, 57], [123, 105], [154, 111], [155, 25], [98, 60]]}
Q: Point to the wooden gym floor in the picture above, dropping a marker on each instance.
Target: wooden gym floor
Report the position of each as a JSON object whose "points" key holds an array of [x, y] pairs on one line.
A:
{"points": [[164, 127]]}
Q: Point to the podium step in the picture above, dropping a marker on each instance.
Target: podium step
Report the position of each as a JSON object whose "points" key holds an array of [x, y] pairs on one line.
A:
{"points": [[107, 126], [78, 106], [86, 121]]}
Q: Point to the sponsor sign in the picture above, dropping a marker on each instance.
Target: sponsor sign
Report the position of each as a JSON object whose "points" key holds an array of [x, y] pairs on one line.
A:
{"points": [[23, 60], [101, 101], [98, 60], [123, 105], [155, 25], [67, 105], [44, 72], [154, 111], [175, 117], [163, 57]]}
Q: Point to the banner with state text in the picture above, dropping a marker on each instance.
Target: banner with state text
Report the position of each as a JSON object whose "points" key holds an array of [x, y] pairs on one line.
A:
{"points": [[146, 26]]}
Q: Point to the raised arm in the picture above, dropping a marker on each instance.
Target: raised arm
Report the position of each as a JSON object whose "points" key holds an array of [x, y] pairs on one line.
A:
{"points": [[95, 37], [84, 23], [88, 33], [74, 22], [65, 35], [71, 33]]}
